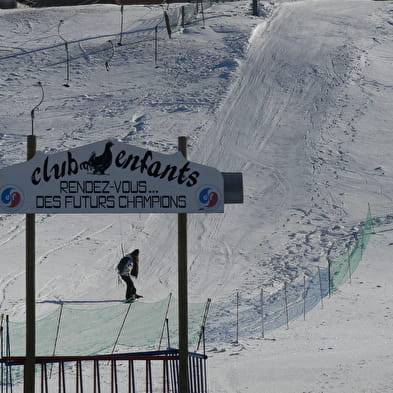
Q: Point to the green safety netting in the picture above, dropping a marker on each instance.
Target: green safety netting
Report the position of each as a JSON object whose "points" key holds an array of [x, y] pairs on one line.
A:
{"points": [[341, 268], [71, 330], [92, 330], [249, 317]]}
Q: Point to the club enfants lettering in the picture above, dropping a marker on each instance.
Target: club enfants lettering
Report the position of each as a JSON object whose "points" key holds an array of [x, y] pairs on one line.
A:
{"points": [[145, 164]]}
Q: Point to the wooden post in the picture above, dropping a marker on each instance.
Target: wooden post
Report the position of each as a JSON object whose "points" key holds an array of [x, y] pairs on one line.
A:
{"points": [[183, 288], [263, 321], [29, 369]]}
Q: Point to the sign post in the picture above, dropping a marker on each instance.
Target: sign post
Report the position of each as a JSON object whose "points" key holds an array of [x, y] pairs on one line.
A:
{"points": [[29, 369], [183, 289]]}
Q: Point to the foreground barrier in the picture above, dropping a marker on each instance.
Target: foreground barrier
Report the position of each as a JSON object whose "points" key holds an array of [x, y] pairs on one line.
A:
{"points": [[148, 372]]}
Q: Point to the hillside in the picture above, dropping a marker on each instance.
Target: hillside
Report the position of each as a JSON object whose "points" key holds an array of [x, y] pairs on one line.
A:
{"points": [[297, 99]]}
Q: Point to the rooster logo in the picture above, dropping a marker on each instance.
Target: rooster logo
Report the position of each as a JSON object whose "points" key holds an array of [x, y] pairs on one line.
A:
{"points": [[99, 164]]}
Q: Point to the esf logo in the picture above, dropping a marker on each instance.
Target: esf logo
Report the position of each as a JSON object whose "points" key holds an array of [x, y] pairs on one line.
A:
{"points": [[11, 198], [208, 198]]}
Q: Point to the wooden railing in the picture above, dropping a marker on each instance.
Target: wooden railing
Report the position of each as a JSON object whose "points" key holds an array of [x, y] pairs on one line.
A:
{"points": [[150, 372]]}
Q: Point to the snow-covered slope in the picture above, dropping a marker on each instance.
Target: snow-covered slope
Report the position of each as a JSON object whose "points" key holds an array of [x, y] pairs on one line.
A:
{"points": [[298, 100]]}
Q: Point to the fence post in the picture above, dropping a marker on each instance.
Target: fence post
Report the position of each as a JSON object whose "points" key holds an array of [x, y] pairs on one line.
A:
{"points": [[168, 24], [369, 215], [8, 370], [165, 322], [203, 15], [8, 351], [67, 54], [183, 17], [330, 277], [237, 317], [255, 7], [121, 25], [57, 336], [320, 286], [32, 113], [204, 319], [204, 341], [349, 264], [155, 45], [167, 333], [67, 84], [263, 321], [121, 328], [107, 66], [286, 304], [304, 297]]}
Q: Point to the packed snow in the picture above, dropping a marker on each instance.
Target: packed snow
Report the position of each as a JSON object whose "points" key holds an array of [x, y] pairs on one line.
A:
{"points": [[298, 99]]}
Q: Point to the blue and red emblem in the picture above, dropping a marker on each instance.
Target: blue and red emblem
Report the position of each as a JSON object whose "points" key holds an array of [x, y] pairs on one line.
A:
{"points": [[209, 197], [10, 197]]}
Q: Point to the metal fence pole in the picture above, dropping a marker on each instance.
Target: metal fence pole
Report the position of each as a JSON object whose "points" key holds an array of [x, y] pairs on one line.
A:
{"points": [[286, 304], [262, 316]]}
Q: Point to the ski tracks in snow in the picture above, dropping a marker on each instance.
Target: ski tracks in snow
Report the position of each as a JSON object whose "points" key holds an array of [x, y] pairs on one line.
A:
{"points": [[45, 287], [275, 121]]}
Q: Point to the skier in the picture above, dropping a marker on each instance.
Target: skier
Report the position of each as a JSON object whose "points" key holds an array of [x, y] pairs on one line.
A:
{"points": [[127, 267]]}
